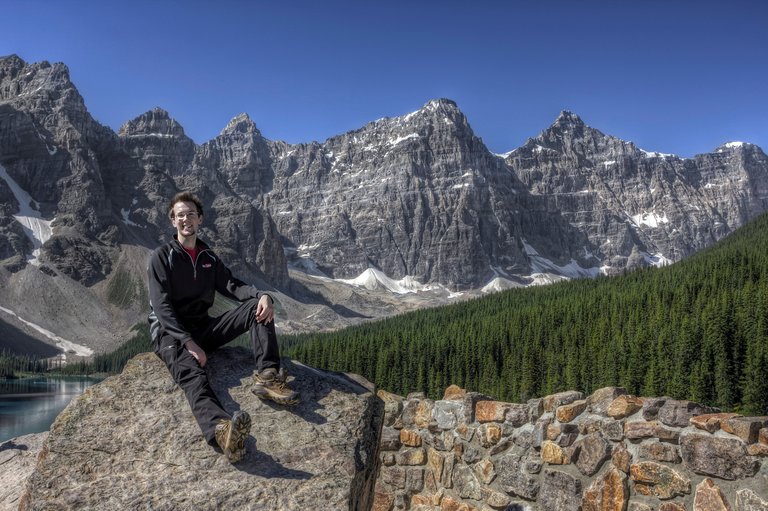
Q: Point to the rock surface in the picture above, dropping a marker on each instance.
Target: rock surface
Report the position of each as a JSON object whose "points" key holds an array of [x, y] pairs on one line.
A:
{"points": [[18, 457], [131, 442]]}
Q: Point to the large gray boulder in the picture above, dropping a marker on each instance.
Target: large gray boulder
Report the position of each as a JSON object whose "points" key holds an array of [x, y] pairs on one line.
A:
{"points": [[131, 442]]}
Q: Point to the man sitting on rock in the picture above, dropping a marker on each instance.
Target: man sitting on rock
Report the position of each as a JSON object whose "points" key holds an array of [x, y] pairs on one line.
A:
{"points": [[184, 276]]}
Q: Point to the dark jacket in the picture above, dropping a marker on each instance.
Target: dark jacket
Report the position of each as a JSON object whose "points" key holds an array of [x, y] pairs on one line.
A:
{"points": [[180, 293]]}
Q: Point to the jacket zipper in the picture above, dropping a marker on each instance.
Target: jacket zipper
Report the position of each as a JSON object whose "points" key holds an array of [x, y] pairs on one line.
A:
{"points": [[194, 262]]}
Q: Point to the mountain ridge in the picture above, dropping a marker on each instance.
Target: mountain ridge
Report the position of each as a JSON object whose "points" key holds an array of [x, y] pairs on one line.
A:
{"points": [[417, 197]]}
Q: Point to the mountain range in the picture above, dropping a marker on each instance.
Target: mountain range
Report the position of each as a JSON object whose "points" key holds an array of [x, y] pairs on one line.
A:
{"points": [[402, 213]]}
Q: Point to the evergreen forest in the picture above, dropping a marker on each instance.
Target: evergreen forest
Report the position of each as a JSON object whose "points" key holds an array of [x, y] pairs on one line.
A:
{"points": [[695, 330]]}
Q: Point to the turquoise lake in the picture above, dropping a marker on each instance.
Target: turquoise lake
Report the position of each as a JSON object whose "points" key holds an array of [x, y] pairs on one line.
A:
{"points": [[30, 405]]}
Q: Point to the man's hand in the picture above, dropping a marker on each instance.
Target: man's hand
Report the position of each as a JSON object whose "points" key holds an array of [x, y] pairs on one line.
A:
{"points": [[196, 351], [264, 311]]}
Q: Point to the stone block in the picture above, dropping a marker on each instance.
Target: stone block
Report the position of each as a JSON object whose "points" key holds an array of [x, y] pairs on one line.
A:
{"points": [[500, 447], [540, 430], [624, 406], [559, 490], [435, 462], [484, 470], [465, 432], [594, 450], [608, 492], [613, 430], [567, 439], [651, 406], [639, 506], [621, 458], [390, 439], [709, 497], [414, 479], [442, 441], [568, 412], [512, 478], [762, 436], [489, 434], [423, 414], [725, 458], [491, 411], [454, 393], [449, 503], [658, 480], [393, 406], [535, 409], [382, 501], [672, 506], [393, 477], [746, 428], [598, 402], [757, 450], [638, 430], [410, 438], [413, 456], [553, 431], [496, 499], [678, 413], [532, 466], [388, 459], [748, 500], [660, 452], [590, 424], [466, 484], [710, 422], [447, 413], [523, 438], [668, 435], [471, 454], [518, 414], [552, 401], [421, 501], [553, 454]]}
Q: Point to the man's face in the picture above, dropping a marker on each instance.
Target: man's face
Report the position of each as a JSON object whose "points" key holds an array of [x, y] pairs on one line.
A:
{"points": [[185, 219]]}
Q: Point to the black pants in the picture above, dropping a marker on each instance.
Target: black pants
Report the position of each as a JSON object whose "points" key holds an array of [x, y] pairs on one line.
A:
{"points": [[214, 333]]}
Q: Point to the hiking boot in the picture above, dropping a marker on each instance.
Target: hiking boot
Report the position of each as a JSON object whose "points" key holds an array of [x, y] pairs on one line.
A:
{"points": [[231, 435], [271, 384]]}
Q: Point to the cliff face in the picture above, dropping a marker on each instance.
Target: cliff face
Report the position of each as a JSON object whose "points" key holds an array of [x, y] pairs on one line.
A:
{"points": [[418, 195], [131, 442], [638, 207]]}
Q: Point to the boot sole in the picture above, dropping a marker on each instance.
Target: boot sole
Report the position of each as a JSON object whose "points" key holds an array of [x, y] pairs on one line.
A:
{"points": [[238, 432]]}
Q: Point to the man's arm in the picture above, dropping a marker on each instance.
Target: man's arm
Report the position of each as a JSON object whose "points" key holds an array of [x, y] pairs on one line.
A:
{"points": [[158, 279]]}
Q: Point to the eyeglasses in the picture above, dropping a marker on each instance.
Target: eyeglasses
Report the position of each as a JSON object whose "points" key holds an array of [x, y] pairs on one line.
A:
{"points": [[189, 214]]}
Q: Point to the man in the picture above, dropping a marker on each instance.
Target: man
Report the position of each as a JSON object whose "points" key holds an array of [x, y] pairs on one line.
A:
{"points": [[184, 276]]}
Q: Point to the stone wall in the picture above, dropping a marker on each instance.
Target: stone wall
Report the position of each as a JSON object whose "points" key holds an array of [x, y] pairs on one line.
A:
{"points": [[608, 451]]}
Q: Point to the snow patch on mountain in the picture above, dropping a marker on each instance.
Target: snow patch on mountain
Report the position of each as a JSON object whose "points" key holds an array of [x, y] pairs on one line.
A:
{"points": [[650, 219], [373, 279], [542, 265], [63, 344], [37, 229]]}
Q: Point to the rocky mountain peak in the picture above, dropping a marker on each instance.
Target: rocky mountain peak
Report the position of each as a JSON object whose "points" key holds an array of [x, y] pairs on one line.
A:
{"points": [[156, 122], [568, 119], [733, 146], [241, 123], [10, 65]]}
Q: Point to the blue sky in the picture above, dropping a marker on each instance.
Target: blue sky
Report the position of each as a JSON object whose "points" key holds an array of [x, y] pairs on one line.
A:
{"points": [[672, 76]]}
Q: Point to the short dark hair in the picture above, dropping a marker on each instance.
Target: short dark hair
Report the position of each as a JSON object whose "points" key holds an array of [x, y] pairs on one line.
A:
{"points": [[185, 197]]}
